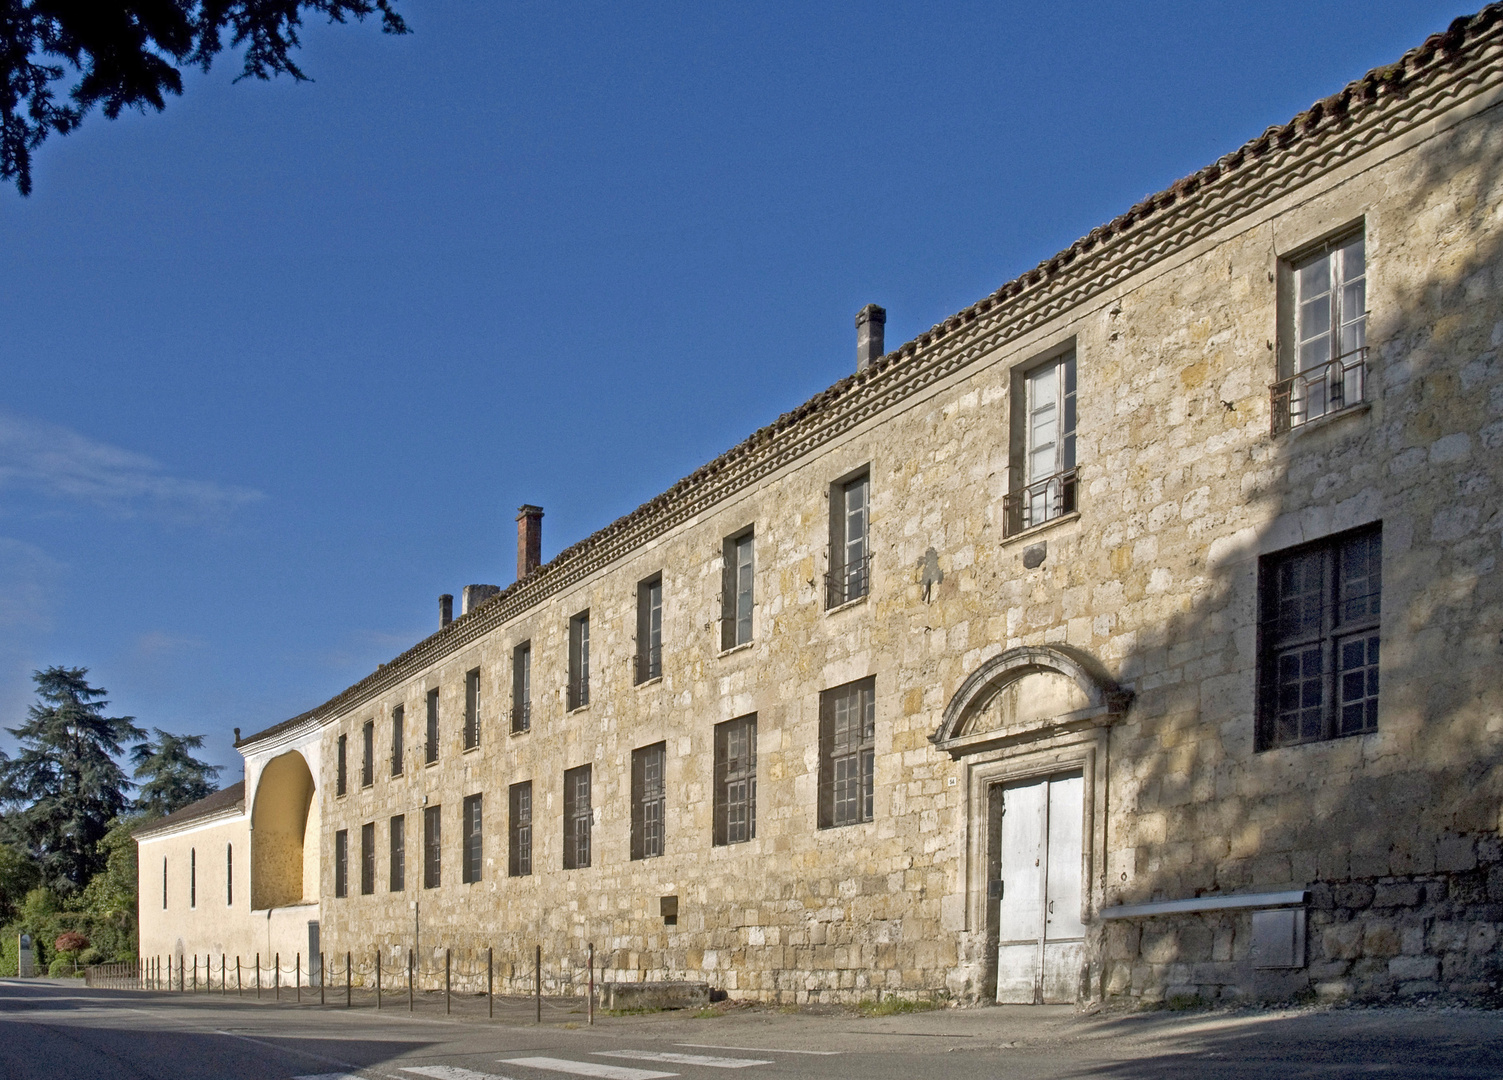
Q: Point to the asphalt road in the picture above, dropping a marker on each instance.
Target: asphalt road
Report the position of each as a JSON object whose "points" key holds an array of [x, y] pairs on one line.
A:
{"points": [[51, 1031]]}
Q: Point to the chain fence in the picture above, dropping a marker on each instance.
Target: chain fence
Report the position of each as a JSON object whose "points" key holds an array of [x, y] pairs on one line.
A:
{"points": [[466, 982]]}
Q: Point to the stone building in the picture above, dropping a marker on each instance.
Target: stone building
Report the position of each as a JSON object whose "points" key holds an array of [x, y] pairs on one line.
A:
{"points": [[1133, 632]]}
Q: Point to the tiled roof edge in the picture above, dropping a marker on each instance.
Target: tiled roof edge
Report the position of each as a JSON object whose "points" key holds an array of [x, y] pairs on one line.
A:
{"points": [[1400, 95], [225, 800]]}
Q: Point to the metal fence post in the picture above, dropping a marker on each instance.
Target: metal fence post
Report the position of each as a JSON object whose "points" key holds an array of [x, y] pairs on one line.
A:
{"points": [[378, 978], [182, 973], [224, 987], [297, 974], [537, 981], [592, 982], [347, 979], [195, 973], [258, 976], [490, 981], [409, 980], [276, 977], [239, 989], [323, 976], [447, 992]]}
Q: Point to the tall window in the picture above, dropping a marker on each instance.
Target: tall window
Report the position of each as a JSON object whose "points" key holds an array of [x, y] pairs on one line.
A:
{"points": [[430, 746], [368, 754], [521, 687], [1044, 485], [578, 817], [342, 862], [470, 870], [849, 577], [340, 765], [229, 874], [579, 660], [398, 873], [432, 841], [650, 628], [398, 717], [1329, 331], [1318, 640], [519, 846], [193, 877], [164, 883], [736, 593], [472, 709], [847, 730], [736, 780], [648, 800], [368, 858]]}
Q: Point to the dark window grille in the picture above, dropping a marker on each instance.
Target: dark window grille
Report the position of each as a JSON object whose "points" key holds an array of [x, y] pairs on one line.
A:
{"points": [[368, 754], [472, 709], [1318, 640], [735, 811], [521, 687], [430, 747], [432, 847], [367, 858], [649, 629], [340, 776], [648, 800], [737, 591], [397, 750], [578, 817], [847, 753], [470, 870], [519, 854], [849, 576], [398, 876], [579, 660], [342, 863]]}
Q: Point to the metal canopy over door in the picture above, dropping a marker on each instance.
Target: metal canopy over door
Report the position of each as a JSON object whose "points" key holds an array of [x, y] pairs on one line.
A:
{"points": [[1041, 940]]}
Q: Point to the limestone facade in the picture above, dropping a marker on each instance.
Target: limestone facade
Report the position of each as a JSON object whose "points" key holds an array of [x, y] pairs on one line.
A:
{"points": [[1125, 641]]}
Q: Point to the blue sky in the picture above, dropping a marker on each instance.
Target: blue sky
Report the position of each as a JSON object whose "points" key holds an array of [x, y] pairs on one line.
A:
{"points": [[278, 365]]}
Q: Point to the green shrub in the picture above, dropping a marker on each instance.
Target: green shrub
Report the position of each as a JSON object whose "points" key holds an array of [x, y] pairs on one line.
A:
{"points": [[91, 955], [61, 968]]}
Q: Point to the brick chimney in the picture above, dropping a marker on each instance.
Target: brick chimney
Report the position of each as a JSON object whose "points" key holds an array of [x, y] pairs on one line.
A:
{"points": [[529, 539], [870, 322], [445, 610]]}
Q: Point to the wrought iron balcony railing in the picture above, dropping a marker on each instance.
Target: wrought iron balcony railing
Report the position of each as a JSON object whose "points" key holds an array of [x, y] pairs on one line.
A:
{"points": [[1324, 390], [846, 583], [1038, 502]]}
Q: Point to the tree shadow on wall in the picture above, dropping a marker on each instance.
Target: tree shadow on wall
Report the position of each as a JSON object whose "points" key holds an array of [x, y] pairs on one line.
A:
{"points": [[1397, 832]]}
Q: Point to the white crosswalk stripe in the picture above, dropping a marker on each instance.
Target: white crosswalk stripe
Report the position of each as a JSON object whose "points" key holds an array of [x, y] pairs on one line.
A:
{"points": [[707, 1060], [587, 1068], [449, 1072], [759, 1049], [330, 1076]]}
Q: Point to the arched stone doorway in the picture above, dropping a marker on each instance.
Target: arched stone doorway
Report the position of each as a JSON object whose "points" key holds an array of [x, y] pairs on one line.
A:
{"points": [[284, 835], [1030, 725]]}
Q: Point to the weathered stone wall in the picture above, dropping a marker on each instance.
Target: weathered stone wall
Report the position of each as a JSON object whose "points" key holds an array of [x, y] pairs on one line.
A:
{"points": [[1155, 580]]}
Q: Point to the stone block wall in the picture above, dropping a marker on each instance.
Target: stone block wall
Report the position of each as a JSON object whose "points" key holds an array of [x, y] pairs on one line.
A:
{"points": [[1155, 580]]}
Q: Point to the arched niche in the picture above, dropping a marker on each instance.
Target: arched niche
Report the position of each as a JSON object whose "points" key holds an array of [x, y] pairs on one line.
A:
{"points": [[284, 835], [1024, 694]]}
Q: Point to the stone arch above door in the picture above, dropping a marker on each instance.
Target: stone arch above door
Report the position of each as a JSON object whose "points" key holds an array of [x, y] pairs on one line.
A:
{"points": [[284, 834], [1028, 693]]}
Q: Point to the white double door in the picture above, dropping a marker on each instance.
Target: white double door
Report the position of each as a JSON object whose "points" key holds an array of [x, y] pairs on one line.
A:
{"points": [[1041, 940]]}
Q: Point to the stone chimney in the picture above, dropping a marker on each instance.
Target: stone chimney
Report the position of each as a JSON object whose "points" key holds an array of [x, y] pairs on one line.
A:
{"points": [[445, 610], [474, 595], [529, 539], [870, 321]]}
